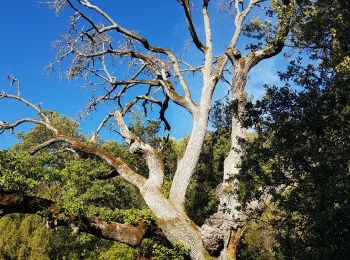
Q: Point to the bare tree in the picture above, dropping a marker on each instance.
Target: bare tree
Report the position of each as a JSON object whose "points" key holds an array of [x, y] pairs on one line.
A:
{"points": [[161, 78]]}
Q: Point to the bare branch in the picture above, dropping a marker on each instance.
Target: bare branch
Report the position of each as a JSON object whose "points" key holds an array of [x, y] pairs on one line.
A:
{"points": [[11, 126], [120, 29], [12, 82], [46, 144], [26, 102], [208, 39], [191, 28], [102, 124], [134, 101], [83, 15], [124, 170], [239, 19], [115, 84], [153, 159], [187, 101]]}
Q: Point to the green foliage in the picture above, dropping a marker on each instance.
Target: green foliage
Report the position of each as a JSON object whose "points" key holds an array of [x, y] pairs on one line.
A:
{"points": [[294, 158], [122, 215], [24, 238], [301, 154], [201, 200], [147, 130], [19, 172], [118, 251], [151, 247], [258, 242]]}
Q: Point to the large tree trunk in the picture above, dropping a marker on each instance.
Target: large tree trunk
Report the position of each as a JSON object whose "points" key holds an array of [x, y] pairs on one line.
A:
{"points": [[175, 224], [222, 231], [189, 160]]}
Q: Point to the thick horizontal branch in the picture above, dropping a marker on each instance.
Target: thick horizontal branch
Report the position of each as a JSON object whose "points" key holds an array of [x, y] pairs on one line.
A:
{"points": [[15, 202]]}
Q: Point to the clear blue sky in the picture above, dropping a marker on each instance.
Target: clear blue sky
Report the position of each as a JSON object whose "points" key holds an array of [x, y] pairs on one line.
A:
{"points": [[29, 27]]}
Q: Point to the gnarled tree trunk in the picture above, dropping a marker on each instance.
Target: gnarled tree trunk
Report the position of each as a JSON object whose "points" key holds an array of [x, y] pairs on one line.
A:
{"points": [[221, 232], [175, 224]]}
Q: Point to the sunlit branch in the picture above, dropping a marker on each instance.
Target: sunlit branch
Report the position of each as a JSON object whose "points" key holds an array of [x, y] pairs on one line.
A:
{"points": [[124, 170], [136, 145], [276, 45], [239, 19], [46, 144], [26, 102], [208, 40], [101, 125], [83, 15], [13, 80], [11, 126]]}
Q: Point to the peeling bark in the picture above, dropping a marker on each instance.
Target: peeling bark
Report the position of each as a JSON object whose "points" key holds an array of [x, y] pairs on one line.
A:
{"points": [[235, 237]]}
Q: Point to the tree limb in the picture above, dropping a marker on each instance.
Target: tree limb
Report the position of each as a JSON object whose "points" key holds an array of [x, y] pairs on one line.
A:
{"points": [[151, 155], [27, 103], [191, 28], [123, 169], [275, 47], [15, 202]]}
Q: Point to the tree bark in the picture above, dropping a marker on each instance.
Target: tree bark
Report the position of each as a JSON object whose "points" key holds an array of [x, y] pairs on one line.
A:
{"points": [[217, 230], [189, 161], [175, 224], [235, 237]]}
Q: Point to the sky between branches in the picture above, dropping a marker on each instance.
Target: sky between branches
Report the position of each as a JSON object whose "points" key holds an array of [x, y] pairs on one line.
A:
{"points": [[29, 28]]}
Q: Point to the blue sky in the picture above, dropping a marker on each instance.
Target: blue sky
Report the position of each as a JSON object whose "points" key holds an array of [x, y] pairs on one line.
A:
{"points": [[29, 28]]}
